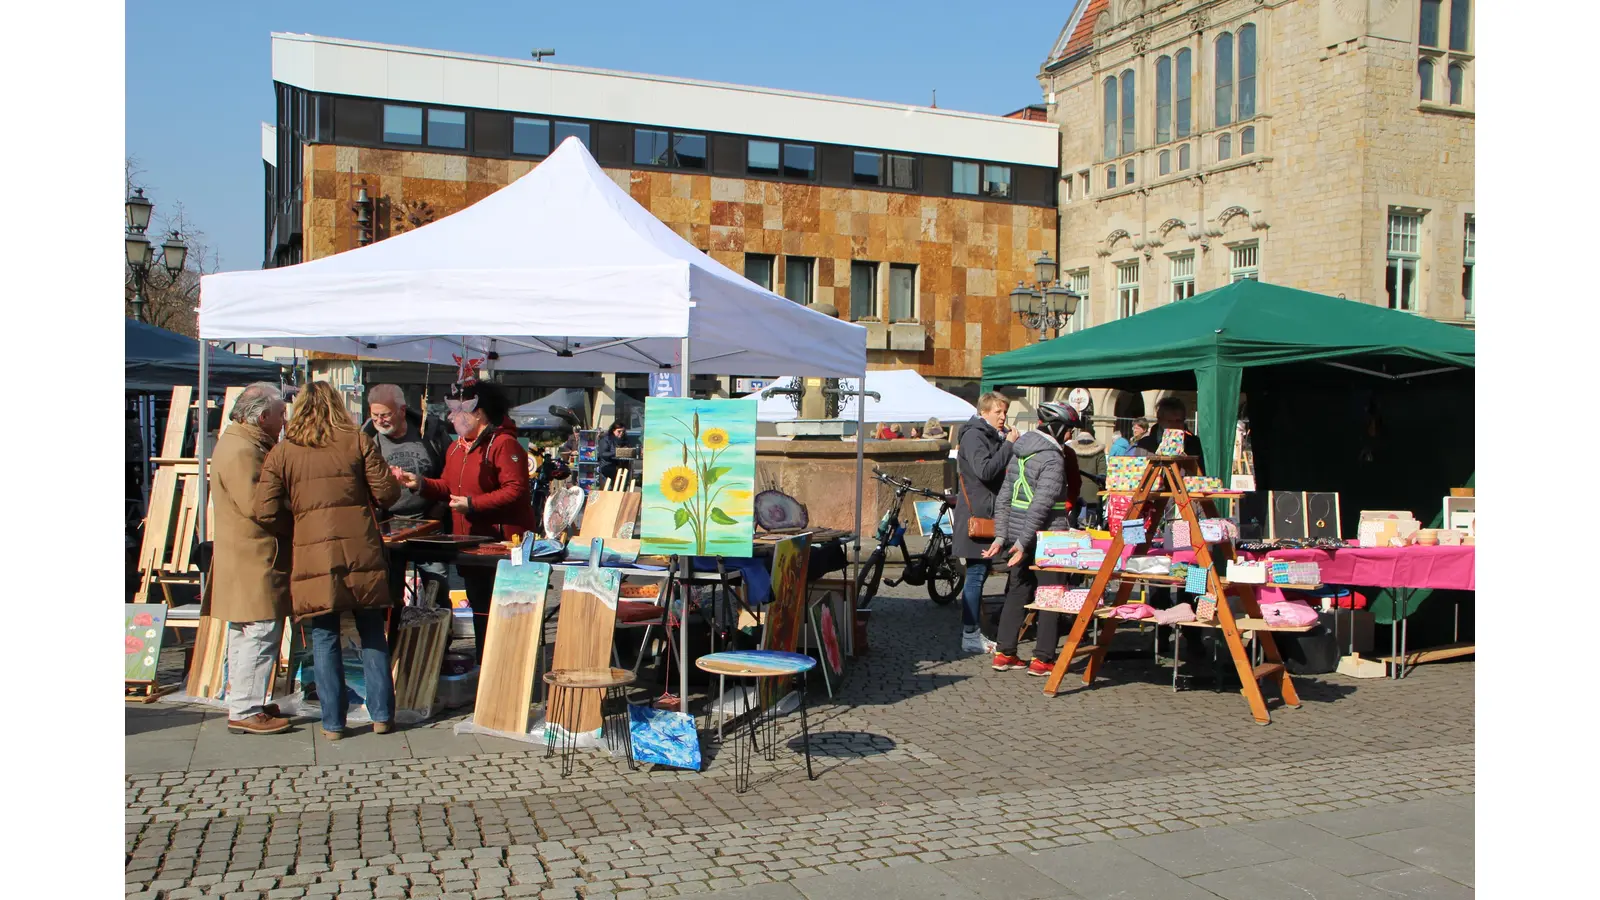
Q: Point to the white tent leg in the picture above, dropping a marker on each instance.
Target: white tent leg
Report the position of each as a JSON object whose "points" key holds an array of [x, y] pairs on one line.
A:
{"points": [[200, 451], [683, 622], [861, 468]]}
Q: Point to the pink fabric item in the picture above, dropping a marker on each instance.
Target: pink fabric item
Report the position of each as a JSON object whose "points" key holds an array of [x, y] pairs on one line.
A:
{"points": [[1172, 615], [1440, 568], [1133, 611], [1289, 612]]}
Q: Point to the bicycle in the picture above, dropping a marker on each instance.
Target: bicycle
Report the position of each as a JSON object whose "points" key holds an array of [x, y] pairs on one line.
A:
{"points": [[934, 566]]}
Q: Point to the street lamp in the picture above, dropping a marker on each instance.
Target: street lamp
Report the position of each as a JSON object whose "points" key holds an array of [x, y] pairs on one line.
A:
{"points": [[1047, 304], [141, 253]]}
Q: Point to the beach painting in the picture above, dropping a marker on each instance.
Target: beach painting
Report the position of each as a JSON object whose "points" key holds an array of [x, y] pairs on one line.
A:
{"points": [[141, 644], [664, 738], [928, 514], [699, 477]]}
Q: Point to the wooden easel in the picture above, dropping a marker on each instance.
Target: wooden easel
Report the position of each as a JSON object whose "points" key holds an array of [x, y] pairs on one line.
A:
{"points": [[1163, 482]]}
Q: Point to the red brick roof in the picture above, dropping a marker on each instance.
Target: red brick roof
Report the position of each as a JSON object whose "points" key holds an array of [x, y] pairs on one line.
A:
{"points": [[1079, 32]]}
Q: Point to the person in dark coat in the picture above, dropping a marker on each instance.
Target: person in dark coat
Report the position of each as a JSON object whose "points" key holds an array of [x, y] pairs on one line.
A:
{"points": [[1091, 461], [321, 487], [1041, 486], [606, 451], [981, 457]]}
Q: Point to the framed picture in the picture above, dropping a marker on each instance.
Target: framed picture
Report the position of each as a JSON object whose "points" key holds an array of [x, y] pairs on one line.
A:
{"points": [[927, 512]]}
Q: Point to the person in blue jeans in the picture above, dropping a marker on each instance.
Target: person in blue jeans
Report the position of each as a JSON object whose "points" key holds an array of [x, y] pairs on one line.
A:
{"points": [[320, 487], [983, 451]]}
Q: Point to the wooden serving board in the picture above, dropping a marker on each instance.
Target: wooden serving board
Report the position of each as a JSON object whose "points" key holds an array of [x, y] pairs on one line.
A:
{"points": [[511, 650], [417, 653], [208, 669], [583, 637]]}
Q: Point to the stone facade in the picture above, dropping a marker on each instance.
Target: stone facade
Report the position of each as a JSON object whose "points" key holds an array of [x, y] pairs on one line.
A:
{"points": [[969, 253], [1340, 137]]}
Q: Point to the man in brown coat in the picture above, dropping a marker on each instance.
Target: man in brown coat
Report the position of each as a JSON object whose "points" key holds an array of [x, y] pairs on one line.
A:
{"points": [[249, 583]]}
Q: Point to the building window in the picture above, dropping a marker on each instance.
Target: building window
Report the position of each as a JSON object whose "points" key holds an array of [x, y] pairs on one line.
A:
{"points": [[963, 178], [689, 151], [1245, 263], [863, 290], [1111, 176], [1223, 89], [758, 268], [1127, 111], [1457, 76], [799, 161], [1109, 148], [1247, 140], [762, 158], [402, 124], [1183, 276], [1183, 157], [1164, 162], [997, 181], [1224, 147], [578, 130], [1247, 72], [1460, 22], [1404, 253], [650, 148], [1083, 183], [1078, 283], [1127, 172], [530, 137], [1425, 77], [902, 172], [797, 272], [868, 168], [902, 293], [1184, 83], [1469, 251], [447, 128], [1066, 188], [1428, 27], [1163, 99], [1127, 289]]}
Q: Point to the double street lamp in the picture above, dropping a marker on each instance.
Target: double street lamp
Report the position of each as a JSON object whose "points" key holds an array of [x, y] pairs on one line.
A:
{"points": [[1047, 304], [141, 253]]}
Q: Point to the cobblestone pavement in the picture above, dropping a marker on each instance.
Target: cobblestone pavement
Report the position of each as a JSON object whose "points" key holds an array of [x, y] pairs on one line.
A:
{"points": [[925, 757]]}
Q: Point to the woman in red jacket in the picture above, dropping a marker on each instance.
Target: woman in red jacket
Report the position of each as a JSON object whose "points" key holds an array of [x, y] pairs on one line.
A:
{"points": [[485, 479]]}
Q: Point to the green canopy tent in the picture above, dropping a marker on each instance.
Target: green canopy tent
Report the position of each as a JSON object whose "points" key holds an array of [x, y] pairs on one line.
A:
{"points": [[1250, 331]]}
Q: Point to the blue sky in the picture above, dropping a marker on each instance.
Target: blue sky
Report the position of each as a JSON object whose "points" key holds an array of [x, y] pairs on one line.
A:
{"points": [[199, 78]]}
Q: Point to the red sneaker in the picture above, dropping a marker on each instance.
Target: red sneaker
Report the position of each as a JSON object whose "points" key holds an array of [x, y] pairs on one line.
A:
{"points": [[1003, 663], [1040, 667]]}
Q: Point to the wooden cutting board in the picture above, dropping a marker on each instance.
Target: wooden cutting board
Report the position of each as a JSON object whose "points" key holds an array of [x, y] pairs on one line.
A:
{"points": [[417, 653], [583, 638], [511, 650]]}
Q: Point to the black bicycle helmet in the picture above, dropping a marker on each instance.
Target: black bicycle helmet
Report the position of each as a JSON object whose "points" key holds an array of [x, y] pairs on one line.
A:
{"points": [[1058, 419]]}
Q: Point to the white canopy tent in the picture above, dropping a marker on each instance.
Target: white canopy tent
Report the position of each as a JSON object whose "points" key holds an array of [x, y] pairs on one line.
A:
{"points": [[903, 396], [559, 271]]}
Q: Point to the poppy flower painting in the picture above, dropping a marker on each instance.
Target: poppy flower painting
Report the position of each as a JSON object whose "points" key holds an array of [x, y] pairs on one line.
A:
{"points": [[141, 639]]}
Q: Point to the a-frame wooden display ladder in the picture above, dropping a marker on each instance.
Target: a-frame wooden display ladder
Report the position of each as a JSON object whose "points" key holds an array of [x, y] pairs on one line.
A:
{"points": [[1163, 482]]}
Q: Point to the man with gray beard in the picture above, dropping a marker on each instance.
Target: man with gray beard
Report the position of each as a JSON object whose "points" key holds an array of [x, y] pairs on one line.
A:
{"points": [[416, 444]]}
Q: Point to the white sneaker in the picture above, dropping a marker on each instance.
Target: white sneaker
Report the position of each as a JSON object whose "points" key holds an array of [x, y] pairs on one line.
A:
{"points": [[975, 642]]}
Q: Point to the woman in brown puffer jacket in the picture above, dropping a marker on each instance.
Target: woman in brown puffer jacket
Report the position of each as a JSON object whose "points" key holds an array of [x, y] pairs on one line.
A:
{"points": [[319, 487]]}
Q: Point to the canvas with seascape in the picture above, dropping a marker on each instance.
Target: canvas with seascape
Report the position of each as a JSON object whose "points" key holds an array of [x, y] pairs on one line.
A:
{"points": [[699, 477]]}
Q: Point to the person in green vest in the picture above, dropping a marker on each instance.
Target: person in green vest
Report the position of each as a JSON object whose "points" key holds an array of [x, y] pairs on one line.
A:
{"points": [[1040, 488]]}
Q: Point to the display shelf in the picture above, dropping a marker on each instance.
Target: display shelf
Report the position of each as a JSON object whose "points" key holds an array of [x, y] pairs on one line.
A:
{"points": [[1209, 495], [1169, 579]]}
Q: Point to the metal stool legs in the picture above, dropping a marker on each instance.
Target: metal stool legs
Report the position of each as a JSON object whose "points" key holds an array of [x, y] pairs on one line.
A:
{"points": [[615, 724]]}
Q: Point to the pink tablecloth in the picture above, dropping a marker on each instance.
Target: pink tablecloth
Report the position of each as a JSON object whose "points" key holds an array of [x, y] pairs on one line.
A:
{"points": [[1442, 568]]}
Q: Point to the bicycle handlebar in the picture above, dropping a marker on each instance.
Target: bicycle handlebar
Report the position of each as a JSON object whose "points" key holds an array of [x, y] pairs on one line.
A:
{"points": [[905, 484]]}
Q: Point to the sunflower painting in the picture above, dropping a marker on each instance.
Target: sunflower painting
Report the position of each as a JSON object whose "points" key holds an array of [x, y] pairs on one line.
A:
{"points": [[699, 477]]}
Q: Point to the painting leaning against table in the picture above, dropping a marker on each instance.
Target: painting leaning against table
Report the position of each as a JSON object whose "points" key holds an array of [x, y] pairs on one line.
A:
{"points": [[699, 477]]}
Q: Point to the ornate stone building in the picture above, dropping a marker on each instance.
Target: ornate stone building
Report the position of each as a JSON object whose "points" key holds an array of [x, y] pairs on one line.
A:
{"points": [[1320, 144]]}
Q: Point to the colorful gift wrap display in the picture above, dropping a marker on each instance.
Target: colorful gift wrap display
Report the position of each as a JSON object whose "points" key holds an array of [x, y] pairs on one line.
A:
{"points": [[1205, 608], [1171, 443], [1123, 473], [1202, 484], [1060, 597]]}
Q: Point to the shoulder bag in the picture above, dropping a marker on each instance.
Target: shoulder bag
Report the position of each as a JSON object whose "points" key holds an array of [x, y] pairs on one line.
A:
{"points": [[978, 527]]}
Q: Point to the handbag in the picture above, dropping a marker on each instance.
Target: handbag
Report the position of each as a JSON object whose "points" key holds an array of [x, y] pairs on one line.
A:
{"points": [[978, 527]]}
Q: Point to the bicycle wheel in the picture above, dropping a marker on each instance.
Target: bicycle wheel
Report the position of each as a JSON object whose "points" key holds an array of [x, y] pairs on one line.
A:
{"points": [[867, 579], [945, 578]]}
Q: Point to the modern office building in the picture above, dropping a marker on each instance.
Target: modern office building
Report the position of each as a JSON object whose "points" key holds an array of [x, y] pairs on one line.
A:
{"points": [[914, 221]]}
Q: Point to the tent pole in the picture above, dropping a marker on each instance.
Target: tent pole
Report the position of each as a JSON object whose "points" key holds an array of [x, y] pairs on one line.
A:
{"points": [[200, 451], [683, 622], [861, 451]]}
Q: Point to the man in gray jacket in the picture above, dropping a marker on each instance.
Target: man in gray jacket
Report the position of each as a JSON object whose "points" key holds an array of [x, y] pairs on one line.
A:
{"points": [[1041, 485]]}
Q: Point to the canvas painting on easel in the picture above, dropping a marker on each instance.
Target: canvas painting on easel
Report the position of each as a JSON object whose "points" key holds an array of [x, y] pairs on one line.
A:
{"points": [[141, 647], [699, 477], [786, 614]]}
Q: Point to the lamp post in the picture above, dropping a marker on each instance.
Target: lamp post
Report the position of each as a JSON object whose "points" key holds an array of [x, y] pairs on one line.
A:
{"points": [[1046, 305], [141, 252]]}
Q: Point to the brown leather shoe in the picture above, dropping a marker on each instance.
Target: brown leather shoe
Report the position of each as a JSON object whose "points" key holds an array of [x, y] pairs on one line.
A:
{"points": [[382, 727], [333, 735], [260, 723]]}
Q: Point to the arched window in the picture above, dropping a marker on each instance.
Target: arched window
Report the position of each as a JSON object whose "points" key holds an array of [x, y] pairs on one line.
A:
{"points": [[1127, 110], [1185, 75], [1183, 157], [1164, 162], [1247, 140], [1425, 77], [1458, 84], [1111, 117], [1163, 99], [1111, 176], [1247, 72], [1224, 147], [1223, 91], [1127, 172]]}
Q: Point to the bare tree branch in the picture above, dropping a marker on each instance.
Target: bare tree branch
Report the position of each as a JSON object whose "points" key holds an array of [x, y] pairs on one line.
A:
{"points": [[170, 301]]}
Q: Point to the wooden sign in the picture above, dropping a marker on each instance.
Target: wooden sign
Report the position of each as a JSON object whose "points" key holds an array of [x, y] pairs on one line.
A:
{"points": [[583, 638], [511, 650]]}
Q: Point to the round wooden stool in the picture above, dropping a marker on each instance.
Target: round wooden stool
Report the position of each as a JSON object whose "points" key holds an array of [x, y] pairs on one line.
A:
{"points": [[570, 690], [761, 719]]}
